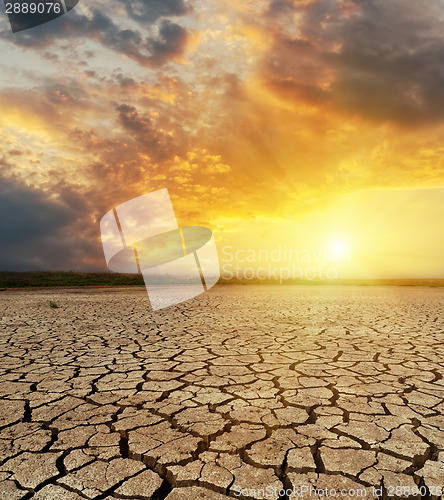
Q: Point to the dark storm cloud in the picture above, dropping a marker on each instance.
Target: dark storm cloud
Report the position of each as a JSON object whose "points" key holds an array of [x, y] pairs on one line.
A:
{"points": [[125, 82], [277, 7], [169, 40], [386, 58], [26, 213], [132, 121], [38, 231], [140, 128], [149, 11]]}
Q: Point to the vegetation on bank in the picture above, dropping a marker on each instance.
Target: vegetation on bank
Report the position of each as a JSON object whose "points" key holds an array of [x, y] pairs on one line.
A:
{"points": [[38, 279]]}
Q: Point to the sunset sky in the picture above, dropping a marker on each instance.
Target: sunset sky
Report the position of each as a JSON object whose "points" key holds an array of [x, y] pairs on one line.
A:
{"points": [[309, 124]]}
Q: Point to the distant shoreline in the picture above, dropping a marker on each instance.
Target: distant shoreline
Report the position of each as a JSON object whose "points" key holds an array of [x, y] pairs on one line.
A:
{"points": [[432, 282], [61, 279]]}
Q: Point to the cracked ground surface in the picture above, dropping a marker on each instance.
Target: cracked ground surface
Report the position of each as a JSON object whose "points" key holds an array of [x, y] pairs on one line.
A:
{"points": [[242, 389]]}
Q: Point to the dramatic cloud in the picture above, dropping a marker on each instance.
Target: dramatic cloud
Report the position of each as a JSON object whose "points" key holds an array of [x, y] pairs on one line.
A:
{"points": [[41, 232], [381, 59], [166, 40], [252, 114], [149, 11]]}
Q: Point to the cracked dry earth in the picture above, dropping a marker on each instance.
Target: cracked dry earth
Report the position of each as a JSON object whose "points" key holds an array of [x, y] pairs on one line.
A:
{"points": [[242, 389]]}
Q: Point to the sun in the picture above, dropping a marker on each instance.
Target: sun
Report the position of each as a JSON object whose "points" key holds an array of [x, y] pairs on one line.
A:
{"points": [[338, 247]]}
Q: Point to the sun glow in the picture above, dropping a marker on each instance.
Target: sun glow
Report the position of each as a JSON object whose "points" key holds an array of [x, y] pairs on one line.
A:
{"points": [[338, 247]]}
